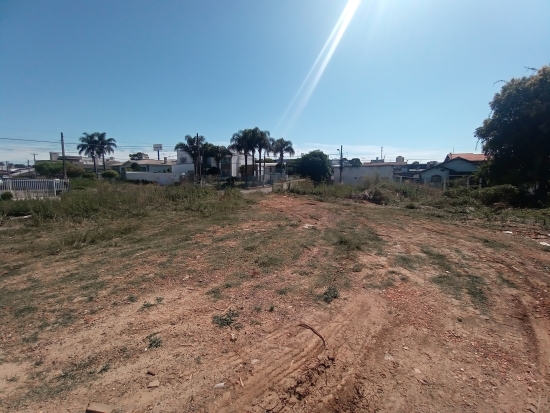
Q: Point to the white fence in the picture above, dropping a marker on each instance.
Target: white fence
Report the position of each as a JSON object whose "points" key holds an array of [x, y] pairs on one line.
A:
{"points": [[34, 188]]}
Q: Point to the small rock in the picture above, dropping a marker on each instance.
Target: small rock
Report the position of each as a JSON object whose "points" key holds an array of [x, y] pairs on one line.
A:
{"points": [[405, 348], [459, 319], [292, 401], [154, 383], [219, 386], [151, 373], [417, 371], [254, 361], [99, 408], [507, 232], [233, 337], [545, 244]]}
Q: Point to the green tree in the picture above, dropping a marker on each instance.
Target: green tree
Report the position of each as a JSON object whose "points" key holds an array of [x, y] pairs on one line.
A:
{"points": [[89, 146], [314, 165], [220, 153], [281, 146], [110, 174], [136, 156], [53, 169], [104, 145], [240, 143], [192, 146], [516, 135], [355, 162], [262, 142], [135, 167]]}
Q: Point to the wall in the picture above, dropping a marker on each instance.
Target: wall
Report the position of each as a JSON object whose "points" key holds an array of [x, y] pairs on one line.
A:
{"points": [[353, 175], [183, 168], [160, 178]]}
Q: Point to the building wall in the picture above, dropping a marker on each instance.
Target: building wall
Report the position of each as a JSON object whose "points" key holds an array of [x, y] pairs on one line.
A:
{"points": [[353, 175], [183, 168], [160, 178], [447, 170]]}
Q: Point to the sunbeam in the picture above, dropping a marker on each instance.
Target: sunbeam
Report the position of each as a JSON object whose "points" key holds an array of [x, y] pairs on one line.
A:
{"points": [[311, 80]]}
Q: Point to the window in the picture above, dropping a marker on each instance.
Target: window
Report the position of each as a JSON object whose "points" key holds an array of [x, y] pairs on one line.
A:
{"points": [[436, 179]]}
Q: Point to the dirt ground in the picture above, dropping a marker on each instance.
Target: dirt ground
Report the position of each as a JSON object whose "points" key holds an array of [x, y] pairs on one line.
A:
{"points": [[431, 315]]}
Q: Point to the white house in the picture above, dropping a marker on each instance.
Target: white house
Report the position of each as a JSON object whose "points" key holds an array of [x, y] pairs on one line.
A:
{"points": [[354, 174], [450, 169]]}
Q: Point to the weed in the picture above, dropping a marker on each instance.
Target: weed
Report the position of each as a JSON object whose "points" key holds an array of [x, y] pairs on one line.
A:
{"points": [[357, 267], [215, 293], [12, 379], [159, 300], [506, 281], [271, 308], [198, 360], [283, 291], [409, 262], [23, 311], [105, 368], [257, 309], [226, 319], [146, 305], [33, 338], [330, 294], [438, 259], [404, 278], [154, 340], [382, 285], [38, 362], [474, 288], [254, 322]]}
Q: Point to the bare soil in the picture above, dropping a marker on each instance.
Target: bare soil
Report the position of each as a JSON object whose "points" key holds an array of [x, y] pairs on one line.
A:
{"points": [[431, 314]]}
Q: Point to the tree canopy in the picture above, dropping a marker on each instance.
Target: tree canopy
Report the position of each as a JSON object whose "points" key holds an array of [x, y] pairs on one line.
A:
{"points": [[52, 169], [96, 145], [516, 135], [314, 165], [355, 162]]}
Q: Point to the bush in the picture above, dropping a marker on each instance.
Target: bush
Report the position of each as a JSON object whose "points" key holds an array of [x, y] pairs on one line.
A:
{"points": [[6, 196], [110, 174], [500, 193], [89, 175]]}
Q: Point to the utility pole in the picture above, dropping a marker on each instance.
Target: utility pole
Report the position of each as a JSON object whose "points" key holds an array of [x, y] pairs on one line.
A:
{"points": [[381, 152], [34, 163], [29, 167], [63, 153], [8, 168], [341, 162], [198, 159]]}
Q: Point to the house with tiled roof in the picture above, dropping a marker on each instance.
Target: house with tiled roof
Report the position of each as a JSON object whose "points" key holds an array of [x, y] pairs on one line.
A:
{"points": [[455, 165]]}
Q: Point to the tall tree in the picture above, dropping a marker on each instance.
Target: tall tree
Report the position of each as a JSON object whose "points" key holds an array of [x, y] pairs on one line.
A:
{"points": [[240, 143], [261, 142], [220, 153], [193, 147], [282, 146], [89, 146], [516, 135], [314, 165], [105, 145]]}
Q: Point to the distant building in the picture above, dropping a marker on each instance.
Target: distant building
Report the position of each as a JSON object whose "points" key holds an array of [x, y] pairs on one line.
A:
{"points": [[476, 158]]}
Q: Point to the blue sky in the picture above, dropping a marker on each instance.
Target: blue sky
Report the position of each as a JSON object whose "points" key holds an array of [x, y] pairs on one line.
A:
{"points": [[412, 76]]}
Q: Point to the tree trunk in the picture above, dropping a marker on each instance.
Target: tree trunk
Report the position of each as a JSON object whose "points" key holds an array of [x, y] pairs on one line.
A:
{"points": [[103, 162], [95, 165], [246, 168], [259, 165]]}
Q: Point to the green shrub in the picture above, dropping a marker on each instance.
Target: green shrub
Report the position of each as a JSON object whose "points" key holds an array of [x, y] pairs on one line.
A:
{"points": [[89, 175], [110, 174], [6, 196], [500, 193]]}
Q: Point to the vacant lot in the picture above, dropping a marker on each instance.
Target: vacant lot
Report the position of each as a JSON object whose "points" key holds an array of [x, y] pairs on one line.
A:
{"points": [[149, 307]]}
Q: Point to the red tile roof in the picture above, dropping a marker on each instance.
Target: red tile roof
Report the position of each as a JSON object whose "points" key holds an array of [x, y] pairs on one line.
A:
{"points": [[472, 157]]}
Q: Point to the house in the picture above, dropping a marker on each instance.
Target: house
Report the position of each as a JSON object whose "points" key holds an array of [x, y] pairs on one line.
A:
{"points": [[354, 174], [476, 158], [454, 166], [86, 163]]}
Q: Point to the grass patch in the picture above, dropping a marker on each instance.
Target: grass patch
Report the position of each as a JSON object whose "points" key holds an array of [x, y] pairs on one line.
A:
{"points": [[410, 262], [438, 259], [457, 285], [154, 341], [225, 320], [330, 294], [215, 293], [505, 281]]}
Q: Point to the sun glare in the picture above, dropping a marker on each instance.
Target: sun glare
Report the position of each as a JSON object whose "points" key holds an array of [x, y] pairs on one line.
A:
{"points": [[310, 82]]}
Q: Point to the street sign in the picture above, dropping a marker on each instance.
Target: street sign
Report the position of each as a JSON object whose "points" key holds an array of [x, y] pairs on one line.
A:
{"points": [[157, 147]]}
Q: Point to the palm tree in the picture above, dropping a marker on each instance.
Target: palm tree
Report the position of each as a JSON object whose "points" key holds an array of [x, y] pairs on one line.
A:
{"points": [[282, 146], [105, 146], [240, 143], [192, 146], [262, 142], [220, 153], [89, 146]]}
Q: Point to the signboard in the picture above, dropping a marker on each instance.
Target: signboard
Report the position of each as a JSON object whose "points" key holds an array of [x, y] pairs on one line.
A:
{"points": [[157, 147]]}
